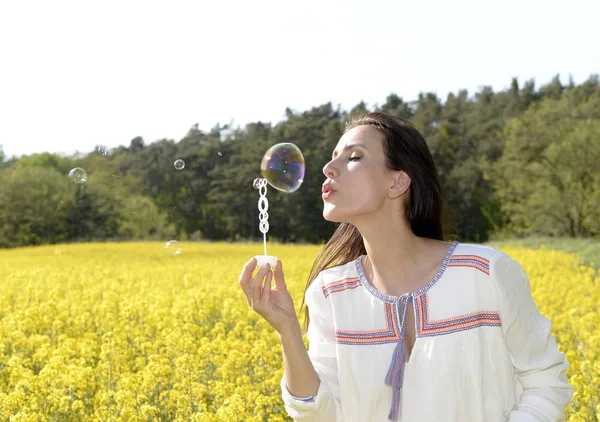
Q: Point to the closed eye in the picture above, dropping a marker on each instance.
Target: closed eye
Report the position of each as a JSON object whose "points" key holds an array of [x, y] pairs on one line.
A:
{"points": [[353, 158]]}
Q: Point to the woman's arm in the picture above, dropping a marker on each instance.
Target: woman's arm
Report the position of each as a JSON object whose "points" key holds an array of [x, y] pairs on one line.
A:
{"points": [[539, 365], [310, 386], [300, 376]]}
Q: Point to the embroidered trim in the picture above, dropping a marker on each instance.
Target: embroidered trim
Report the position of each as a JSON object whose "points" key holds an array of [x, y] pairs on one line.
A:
{"points": [[426, 328], [473, 261], [423, 326], [309, 399], [340, 286], [394, 299], [306, 400], [391, 333]]}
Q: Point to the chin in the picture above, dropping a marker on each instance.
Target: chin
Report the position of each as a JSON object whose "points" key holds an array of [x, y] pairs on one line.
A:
{"points": [[330, 216]]}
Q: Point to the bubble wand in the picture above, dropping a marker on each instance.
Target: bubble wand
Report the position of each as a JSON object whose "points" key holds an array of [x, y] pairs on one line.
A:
{"points": [[283, 168], [263, 206]]}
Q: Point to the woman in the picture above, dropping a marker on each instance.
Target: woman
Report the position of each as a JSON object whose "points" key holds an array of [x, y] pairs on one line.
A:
{"points": [[404, 325]]}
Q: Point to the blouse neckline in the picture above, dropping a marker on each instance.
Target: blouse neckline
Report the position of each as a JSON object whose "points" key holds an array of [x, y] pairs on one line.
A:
{"points": [[394, 299]]}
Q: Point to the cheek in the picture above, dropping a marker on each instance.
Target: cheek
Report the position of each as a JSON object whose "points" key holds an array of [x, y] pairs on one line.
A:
{"points": [[360, 198], [367, 199]]}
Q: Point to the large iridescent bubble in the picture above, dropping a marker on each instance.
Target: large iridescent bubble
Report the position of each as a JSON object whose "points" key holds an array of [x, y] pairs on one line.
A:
{"points": [[283, 167]]}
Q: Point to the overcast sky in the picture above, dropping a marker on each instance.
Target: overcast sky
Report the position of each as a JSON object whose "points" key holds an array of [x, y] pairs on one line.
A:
{"points": [[76, 74]]}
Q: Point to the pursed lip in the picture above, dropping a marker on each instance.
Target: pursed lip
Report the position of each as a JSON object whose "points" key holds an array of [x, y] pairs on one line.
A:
{"points": [[327, 195], [327, 188]]}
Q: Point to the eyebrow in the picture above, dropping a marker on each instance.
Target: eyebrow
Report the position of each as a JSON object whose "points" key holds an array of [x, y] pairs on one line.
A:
{"points": [[346, 147]]}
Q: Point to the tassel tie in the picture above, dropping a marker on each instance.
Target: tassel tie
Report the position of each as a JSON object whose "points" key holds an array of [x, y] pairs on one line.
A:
{"points": [[395, 375]]}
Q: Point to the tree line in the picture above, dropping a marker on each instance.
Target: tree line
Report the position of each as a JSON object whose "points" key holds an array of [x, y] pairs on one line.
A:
{"points": [[519, 162]]}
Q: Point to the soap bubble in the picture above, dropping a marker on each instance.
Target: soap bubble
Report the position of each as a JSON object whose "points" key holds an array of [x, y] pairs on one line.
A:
{"points": [[78, 175], [102, 150], [173, 248], [283, 167], [179, 164]]}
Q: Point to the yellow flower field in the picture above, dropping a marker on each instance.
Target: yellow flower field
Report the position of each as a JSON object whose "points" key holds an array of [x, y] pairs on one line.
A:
{"points": [[126, 332]]}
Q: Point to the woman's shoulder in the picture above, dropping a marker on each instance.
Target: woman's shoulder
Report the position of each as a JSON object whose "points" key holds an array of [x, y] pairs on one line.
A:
{"points": [[499, 267], [334, 276], [477, 251], [337, 270]]}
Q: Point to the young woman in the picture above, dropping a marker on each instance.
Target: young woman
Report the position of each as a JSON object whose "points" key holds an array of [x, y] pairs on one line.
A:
{"points": [[404, 325]]}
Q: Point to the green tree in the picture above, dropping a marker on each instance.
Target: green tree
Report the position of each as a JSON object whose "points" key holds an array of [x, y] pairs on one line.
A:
{"points": [[140, 218], [548, 178], [34, 203], [396, 106]]}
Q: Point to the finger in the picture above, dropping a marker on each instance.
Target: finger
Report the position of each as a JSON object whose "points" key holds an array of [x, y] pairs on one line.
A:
{"points": [[247, 271], [255, 288], [266, 290], [279, 277], [246, 275]]}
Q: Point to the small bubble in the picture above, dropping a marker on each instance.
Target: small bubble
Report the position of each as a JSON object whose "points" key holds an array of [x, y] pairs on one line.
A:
{"points": [[220, 155], [179, 164], [78, 175], [173, 248]]}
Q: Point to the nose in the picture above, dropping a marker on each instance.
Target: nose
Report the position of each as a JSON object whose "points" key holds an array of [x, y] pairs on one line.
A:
{"points": [[328, 169]]}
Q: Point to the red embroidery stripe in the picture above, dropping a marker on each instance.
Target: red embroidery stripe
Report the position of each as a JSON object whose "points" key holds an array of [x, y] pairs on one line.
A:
{"points": [[370, 340], [467, 264], [470, 257], [470, 324], [340, 282], [340, 286]]}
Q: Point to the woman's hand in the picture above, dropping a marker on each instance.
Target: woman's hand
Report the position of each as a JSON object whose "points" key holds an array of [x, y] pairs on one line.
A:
{"points": [[275, 304]]}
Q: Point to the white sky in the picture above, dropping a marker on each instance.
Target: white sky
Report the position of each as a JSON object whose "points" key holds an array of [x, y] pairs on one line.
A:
{"points": [[76, 74]]}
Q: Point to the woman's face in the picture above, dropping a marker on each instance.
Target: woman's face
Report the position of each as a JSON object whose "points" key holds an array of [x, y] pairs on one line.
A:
{"points": [[358, 175]]}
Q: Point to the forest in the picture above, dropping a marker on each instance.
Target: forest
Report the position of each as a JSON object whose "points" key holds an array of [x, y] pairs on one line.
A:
{"points": [[516, 163]]}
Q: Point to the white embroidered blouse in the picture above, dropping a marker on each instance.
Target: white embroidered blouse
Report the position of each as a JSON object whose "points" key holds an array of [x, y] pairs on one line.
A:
{"points": [[483, 351]]}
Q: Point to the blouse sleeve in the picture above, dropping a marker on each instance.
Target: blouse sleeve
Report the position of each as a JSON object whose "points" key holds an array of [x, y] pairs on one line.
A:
{"points": [[539, 365], [325, 405]]}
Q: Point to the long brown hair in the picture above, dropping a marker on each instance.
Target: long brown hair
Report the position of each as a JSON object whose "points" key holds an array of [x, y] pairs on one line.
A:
{"points": [[425, 207]]}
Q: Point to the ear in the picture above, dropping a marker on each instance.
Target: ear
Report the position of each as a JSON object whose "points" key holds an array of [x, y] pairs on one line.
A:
{"points": [[400, 185]]}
